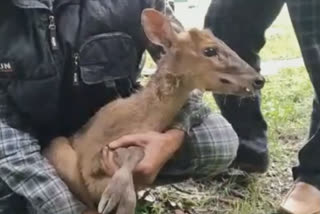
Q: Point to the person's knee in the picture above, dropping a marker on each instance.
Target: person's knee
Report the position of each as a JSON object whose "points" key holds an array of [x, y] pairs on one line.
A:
{"points": [[216, 145], [60, 200], [229, 141]]}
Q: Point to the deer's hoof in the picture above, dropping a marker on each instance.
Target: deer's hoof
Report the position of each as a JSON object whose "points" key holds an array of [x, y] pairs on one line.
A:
{"points": [[119, 197]]}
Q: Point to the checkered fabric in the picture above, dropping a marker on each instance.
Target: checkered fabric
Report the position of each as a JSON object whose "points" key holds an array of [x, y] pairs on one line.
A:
{"points": [[208, 149], [210, 145], [27, 179]]}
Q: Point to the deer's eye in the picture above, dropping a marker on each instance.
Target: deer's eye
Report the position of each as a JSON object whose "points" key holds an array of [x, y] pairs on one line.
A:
{"points": [[210, 52]]}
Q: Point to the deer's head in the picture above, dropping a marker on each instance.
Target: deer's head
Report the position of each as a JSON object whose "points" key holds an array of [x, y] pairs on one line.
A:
{"points": [[203, 60]]}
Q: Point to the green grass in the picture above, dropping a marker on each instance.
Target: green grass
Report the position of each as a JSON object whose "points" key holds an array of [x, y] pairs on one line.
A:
{"points": [[281, 40], [286, 105]]}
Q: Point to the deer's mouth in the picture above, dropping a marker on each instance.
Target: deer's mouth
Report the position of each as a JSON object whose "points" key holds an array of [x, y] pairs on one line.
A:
{"points": [[230, 88], [225, 81], [249, 91], [237, 85]]}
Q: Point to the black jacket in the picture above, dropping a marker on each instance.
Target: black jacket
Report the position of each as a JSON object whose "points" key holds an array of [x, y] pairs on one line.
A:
{"points": [[61, 60]]}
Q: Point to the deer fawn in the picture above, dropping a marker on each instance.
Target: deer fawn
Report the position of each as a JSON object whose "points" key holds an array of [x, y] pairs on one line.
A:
{"points": [[193, 59]]}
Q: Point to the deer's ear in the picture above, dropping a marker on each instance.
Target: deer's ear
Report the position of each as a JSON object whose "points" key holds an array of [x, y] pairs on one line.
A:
{"points": [[157, 28]]}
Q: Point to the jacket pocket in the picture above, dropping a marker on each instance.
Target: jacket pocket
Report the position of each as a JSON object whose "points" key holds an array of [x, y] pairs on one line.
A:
{"points": [[108, 57]]}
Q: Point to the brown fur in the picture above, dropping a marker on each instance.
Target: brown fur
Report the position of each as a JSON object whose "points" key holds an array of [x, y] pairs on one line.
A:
{"points": [[83, 161]]}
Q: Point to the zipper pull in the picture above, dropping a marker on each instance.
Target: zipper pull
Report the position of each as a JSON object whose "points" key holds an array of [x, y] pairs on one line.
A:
{"points": [[53, 33], [76, 67]]}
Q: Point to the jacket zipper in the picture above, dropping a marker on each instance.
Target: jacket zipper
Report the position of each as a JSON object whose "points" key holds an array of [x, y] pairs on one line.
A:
{"points": [[54, 45], [75, 57], [53, 33]]}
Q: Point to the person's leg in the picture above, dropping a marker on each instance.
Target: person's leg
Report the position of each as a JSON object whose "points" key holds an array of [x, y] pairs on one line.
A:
{"points": [[304, 196], [242, 24], [208, 150], [306, 21]]}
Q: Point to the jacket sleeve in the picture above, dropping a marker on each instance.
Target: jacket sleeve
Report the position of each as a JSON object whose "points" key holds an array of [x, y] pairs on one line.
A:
{"points": [[194, 111]]}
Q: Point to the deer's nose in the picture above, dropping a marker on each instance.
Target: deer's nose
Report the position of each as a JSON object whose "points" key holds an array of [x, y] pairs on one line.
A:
{"points": [[259, 82]]}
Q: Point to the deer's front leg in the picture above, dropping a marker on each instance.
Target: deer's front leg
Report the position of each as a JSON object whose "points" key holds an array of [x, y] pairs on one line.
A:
{"points": [[120, 193]]}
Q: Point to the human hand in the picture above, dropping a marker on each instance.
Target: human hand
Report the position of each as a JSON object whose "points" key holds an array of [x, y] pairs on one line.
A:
{"points": [[158, 149]]}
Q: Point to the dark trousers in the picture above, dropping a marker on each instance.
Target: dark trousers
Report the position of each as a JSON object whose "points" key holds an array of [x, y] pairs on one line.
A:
{"points": [[242, 25]]}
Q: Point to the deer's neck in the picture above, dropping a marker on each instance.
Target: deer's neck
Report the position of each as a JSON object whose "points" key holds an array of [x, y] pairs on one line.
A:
{"points": [[152, 109], [163, 97]]}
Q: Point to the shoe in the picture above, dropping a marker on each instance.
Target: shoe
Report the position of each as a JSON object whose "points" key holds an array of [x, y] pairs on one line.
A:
{"points": [[302, 198]]}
